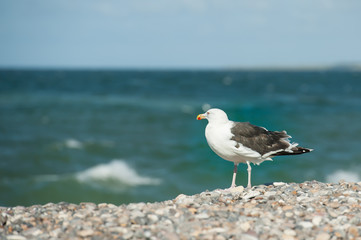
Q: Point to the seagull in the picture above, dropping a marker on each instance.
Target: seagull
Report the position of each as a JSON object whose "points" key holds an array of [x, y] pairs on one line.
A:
{"points": [[242, 142]]}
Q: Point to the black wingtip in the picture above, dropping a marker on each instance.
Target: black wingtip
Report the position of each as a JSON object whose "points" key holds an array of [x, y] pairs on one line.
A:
{"points": [[306, 150]]}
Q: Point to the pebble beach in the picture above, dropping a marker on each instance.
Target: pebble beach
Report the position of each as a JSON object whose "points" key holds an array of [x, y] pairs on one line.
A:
{"points": [[309, 210]]}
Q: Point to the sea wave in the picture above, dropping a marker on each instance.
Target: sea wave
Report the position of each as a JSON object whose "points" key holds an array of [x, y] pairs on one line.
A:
{"points": [[347, 176], [116, 171], [114, 176], [73, 143]]}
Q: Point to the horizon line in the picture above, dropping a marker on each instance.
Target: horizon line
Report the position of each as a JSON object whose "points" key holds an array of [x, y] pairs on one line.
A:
{"points": [[325, 67]]}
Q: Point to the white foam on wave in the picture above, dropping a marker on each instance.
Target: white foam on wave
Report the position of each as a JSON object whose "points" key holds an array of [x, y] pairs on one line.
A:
{"points": [[73, 143], [115, 171], [188, 109], [347, 176], [206, 107], [76, 144]]}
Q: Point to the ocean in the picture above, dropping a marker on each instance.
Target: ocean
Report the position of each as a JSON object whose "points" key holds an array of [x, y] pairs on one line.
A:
{"points": [[120, 136]]}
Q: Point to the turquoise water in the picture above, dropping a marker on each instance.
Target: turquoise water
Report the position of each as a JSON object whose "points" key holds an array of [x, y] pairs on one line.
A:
{"points": [[130, 136]]}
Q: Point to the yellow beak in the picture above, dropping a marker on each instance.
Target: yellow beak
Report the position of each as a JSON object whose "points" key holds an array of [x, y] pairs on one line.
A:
{"points": [[201, 116]]}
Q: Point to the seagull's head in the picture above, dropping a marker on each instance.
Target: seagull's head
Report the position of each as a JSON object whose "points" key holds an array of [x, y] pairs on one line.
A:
{"points": [[214, 115]]}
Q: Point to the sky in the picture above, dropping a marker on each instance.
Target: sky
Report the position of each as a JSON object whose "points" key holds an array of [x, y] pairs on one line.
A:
{"points": [[179, 33]]}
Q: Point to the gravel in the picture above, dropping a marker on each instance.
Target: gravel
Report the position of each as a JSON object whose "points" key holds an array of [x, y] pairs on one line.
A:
{"points": [[309, 210]]}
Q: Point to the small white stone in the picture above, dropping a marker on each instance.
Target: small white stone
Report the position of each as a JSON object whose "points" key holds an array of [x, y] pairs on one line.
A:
{"points": [[302, 199], [180, 197], [133, 214], [289, 214], [184, 199], [310, 209], [86, 232], [15, 237], [251, 194], [290, 232], [323, 236], [117, 229], [128, 235], [216, 230], [306, 224], [316, 220], [287, 237], [108, 215], [102, 205], [333, 213], [63, 214], [55, 233], [168, 222], [79, 215], [348, 192], [277, 184], [110, 205], [160, 211], [153, 217], [15, 218], [245, 226], [147, 234], [238, 189], [342, 219], [202, 216], [270, 193], [220, 237], [33, 231], [248, 237]]}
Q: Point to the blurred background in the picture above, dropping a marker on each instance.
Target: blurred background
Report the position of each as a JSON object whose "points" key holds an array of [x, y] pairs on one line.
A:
{"points": [[98, 99]]}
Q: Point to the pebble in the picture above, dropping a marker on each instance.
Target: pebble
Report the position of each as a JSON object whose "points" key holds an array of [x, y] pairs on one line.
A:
{"points": [[15, 237], [270, 193], [251, 194], [86, 233], [290, 232], [238, 189], [323, 236], [245, 226], [202, 216], [316, 220], [277, 184], [309, 210], [288, 214], [305, 224]]}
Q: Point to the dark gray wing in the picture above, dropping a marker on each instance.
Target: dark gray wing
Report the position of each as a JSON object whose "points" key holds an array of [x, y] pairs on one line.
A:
{"points": [[259, 139]]}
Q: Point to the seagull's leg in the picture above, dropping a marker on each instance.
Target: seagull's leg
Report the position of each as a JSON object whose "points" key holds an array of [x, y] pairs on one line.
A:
{"points": [[234, 175], [249, 169]]}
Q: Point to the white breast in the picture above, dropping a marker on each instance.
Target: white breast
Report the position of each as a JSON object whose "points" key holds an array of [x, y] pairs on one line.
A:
{"points": [[219, 140]]}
